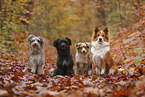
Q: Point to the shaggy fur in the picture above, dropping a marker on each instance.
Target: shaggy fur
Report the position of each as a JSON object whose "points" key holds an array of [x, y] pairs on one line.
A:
{"points": [[101, 52], [64, 60], [36, 58], [84, 65]]}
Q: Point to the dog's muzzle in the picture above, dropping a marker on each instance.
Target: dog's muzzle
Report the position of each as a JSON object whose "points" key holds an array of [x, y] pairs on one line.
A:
{"points": [[83, 50], [100, 40], [63, 46], [35, 45]]}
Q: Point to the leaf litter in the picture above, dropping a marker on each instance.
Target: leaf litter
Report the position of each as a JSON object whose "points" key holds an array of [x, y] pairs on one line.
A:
{"points": [[131, 82]]}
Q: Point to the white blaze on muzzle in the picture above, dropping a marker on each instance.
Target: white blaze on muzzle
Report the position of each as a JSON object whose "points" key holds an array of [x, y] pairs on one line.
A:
{"points": [[83, 50], [100, 39]]}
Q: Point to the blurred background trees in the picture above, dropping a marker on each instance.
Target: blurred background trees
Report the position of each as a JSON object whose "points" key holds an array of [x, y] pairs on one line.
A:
{"points": [[64, 18]]}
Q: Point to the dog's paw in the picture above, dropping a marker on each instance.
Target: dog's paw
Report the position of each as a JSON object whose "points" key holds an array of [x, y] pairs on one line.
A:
{"points": [[111, 71], [102, 72]]}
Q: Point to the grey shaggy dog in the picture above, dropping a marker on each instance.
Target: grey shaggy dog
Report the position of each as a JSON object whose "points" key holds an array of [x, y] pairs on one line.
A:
{"points": [[37, 57]]}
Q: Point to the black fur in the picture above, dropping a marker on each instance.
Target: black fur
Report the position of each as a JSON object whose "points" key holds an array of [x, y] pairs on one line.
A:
{"points": [[64, 60]]}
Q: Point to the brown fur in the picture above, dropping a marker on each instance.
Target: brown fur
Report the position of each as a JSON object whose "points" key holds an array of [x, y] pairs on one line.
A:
{"points": [[97, 33], [106, 63], [83, 62]]}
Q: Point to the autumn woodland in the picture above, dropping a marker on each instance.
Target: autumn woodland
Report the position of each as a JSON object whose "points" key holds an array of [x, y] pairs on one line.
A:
{"points": [[76, 19]]}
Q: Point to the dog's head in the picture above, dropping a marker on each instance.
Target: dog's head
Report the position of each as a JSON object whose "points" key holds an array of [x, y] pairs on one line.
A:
{"points": [[62, 43], [35, 42], [83, 48], [100, 36]]}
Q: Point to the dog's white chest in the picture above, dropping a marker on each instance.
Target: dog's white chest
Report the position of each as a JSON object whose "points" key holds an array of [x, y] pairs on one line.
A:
{"points": [[65, 63], [81, 58], [100, 51]]}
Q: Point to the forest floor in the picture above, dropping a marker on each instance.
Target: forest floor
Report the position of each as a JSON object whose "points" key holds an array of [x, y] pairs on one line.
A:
{"points": [[128, 52]]}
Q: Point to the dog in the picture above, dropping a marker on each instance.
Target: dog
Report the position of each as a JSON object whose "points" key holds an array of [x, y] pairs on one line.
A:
{"points": [[83, 62], [101, 52], [64, 60], [36, 57]]}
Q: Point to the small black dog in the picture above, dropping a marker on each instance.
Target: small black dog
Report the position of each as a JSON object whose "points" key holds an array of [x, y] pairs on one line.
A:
{"points": [[64, 60]]}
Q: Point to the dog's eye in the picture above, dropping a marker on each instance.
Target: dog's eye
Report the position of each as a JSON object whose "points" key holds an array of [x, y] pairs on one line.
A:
{"points": [[102, 35], [78, 48], [32, 40], [98, 35], [38, 40]]}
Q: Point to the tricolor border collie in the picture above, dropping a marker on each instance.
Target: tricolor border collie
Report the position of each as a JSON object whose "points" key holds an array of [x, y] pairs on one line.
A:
{"points": [[101, 52]]}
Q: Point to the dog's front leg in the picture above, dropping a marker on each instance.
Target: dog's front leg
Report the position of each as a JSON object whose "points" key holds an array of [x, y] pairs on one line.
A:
{"points": [[40, 66], [70, 70], [98, 71], [77, 68], [81, 68], [85, 68], [32, 64], [97, 61], [103, 67], [40, 69], [33, 67]]}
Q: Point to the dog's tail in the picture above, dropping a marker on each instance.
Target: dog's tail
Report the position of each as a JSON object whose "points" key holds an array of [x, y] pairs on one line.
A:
{"points": [[121, 69]]}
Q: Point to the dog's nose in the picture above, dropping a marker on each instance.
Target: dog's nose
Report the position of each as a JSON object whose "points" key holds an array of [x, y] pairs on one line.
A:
{"points": [[83, 51], [100, 39], [63, 45], [35, 44]]}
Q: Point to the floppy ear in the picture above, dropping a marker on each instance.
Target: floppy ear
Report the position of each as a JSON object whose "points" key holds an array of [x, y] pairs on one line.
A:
{"points": [[30, 37], [55, 42], [106, 30], [96, 29], [69, 40], [88, 44], [41, 40], [77, 45]]}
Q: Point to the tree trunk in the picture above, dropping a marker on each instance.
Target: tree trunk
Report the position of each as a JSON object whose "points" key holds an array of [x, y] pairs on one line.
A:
{"points": [[1, 20], [102, 13], [29, 7]]}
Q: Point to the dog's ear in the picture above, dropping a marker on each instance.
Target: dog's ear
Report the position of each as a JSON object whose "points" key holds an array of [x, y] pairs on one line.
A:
{"points": [[55, 42], [41, 40], [77, 45], [69, 40], [88, 44], [30, 37], [106, 30], [96, 29]]}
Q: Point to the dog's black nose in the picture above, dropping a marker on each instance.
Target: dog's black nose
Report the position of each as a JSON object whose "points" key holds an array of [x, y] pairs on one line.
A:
{"points": [[83, 51], [63, 45], [35, 44], [100, 39]]}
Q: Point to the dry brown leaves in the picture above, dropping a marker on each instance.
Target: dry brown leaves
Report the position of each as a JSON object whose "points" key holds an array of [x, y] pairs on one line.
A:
{"points": [[128, 52]]}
